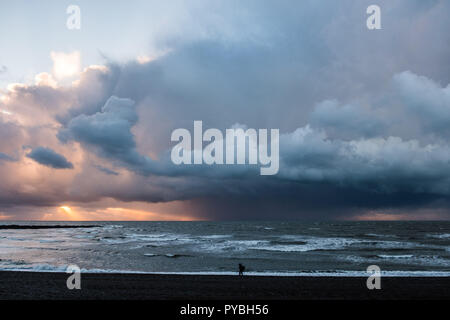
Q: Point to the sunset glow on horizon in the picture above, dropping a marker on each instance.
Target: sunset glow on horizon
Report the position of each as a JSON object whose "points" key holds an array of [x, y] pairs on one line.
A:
{"points": [[66, 213]]}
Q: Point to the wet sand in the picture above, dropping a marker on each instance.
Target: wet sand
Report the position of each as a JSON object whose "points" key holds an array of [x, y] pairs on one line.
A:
{"points": [[34, 285]]}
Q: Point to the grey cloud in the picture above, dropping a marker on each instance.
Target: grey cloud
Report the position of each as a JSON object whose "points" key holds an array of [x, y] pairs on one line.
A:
{"points": [[108, 133], [386, 165], [5, 157], [49, 158], [108, 129], [12, 136], [427, 99], [106, 170], [346, 120], [95, 86]]}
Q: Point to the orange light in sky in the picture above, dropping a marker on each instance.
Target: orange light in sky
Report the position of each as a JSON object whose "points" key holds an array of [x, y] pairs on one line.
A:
{"points": [[66, 209], [66, 213]]}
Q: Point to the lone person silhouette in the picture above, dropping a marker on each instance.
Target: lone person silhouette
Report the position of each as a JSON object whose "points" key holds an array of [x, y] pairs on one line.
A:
{"points": [[241, 269]]}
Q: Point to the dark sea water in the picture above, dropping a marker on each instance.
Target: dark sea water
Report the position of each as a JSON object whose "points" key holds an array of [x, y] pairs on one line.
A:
{"points": [[283, 248]]}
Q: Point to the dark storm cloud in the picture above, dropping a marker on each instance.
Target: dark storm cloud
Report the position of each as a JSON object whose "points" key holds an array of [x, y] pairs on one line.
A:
{"points": [[49, 158], [309, 201], [109, 130]]}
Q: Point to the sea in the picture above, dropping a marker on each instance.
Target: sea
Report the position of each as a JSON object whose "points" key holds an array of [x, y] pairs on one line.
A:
{"points": [[400, 248]]}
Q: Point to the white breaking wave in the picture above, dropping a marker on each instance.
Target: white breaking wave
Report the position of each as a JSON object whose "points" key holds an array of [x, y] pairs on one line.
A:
{"points": [[439, 236], [395, 256]]}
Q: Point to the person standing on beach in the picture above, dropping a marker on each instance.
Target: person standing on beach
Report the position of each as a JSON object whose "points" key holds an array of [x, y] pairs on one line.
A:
{"points": [[241, 269]]}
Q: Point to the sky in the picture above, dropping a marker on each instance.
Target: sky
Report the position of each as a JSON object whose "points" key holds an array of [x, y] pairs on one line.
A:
{"points": [[86, 115]]}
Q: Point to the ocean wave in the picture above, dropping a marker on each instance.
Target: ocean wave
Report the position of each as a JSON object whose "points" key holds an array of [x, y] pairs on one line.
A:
{"points": [[167, 255], [230, 245], [159, 238], [439, 236], [9, 262], [286, 248], [264, 227], [46, 248], [378, 235], [50, 241], [215, 236], [398, 256], [411, 260], [290, 243], [297, 243]]}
